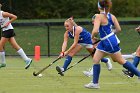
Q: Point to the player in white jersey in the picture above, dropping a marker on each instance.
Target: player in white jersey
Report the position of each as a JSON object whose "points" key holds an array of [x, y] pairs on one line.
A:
{"points": [[8, 36]]}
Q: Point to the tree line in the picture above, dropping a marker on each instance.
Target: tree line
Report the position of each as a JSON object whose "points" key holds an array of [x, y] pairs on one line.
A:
{"points": [[42, 9]]}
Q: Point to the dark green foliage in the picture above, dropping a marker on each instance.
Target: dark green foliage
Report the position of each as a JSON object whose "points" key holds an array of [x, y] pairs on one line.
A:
{"points": [[40, 9]]}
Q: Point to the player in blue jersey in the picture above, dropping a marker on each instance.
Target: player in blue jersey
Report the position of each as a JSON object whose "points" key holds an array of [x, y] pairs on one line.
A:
{"points": [[136, 59], [81, 38], [109, 44], [89, 72]]}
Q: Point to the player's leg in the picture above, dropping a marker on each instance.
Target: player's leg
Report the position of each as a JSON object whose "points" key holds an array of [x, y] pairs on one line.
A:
{"points": [[135, 62], [130, 56], [68, 59], [20, 52], [127, 65], [105, 60], [96, 70], [2, 52], [137, 57]]}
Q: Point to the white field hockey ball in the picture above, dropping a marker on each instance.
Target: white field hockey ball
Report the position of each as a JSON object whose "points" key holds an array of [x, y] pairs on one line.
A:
{"points": [[40, 75]]}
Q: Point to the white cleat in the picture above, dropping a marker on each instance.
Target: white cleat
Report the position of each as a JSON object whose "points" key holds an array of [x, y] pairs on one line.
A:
{"points": [[92, 86], [109, 64], [28, 63], [88, 73]]}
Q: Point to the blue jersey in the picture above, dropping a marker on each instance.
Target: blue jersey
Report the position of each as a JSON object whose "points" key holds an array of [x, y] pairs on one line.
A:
{"points": [[84, 36], [109, 41]]}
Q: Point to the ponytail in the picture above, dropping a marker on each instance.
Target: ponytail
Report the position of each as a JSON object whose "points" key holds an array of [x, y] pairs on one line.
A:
{"points": [[105, 5], [71, 21]]}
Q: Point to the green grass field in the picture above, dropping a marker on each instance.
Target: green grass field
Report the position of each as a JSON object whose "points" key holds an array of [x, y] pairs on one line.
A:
{"points": [[15, 79]]}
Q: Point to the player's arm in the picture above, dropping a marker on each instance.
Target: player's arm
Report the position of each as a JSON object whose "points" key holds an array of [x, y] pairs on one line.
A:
{"points": [[64, 45], [76, 38], [116, 24], [97, 22], [11, 16]]}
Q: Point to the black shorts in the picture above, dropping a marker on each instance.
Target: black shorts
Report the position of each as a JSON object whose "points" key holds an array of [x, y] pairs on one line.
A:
{"points": [[8, 33]]}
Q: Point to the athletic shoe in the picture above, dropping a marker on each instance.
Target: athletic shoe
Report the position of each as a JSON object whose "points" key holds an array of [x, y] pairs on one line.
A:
{"points": [[2, 65], [28, 63], [127, 73], [60, 70], [92, 85], [88, 73], [109, 64]]}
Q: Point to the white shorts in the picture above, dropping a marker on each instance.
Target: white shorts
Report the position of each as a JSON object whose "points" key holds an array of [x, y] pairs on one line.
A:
{"points": [[86, 45]]}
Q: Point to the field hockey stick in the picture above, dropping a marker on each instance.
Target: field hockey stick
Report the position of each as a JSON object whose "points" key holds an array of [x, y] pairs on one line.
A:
{"points": [[37, 73], [83, 58]]}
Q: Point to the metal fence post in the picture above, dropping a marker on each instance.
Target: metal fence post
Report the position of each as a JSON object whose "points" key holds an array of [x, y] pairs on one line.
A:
{"points": [[48, 34]]}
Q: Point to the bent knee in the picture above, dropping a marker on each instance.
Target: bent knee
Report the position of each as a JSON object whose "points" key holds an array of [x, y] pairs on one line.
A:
{"points": [[71, 54]]}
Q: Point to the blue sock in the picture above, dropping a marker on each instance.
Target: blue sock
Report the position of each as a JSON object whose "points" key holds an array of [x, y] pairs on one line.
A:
{"points": [[131, 68], [67, 62], [96, 73], [105, 60], [136, 61]]}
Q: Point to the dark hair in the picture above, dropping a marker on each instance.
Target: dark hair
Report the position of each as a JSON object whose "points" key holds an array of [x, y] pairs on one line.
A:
{"points": [[105, 4]]}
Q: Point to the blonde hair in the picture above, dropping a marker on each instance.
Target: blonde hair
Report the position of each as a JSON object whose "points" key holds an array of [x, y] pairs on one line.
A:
{"points": [[71, 21]]}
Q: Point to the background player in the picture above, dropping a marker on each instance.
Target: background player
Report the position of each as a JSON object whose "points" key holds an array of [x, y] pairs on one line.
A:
{"points": [[8, 36], [81, 38]]}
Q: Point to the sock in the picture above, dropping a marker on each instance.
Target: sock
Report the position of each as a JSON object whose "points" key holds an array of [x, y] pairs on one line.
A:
{"points": [[131, 68], [136, 61], [128, 56], [2, 54], [67, 62], [96, 73], [105, 60], [22, 54], [91, 71]]}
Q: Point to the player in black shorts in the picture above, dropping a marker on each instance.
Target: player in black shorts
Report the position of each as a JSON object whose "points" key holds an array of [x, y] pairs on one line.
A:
{"points": [[8, 36]]}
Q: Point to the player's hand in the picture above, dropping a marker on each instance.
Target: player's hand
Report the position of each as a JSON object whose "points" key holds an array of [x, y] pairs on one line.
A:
{"points": [[5, 25], [138, 29], [95, 39], [61, 55]]}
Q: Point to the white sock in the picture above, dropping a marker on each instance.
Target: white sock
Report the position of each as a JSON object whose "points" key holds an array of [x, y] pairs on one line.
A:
{"points": [[2, 54], [22, 54], [91, 71], [128, 56]]}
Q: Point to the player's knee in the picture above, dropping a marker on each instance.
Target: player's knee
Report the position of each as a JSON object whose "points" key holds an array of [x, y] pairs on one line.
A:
{"points": [[71, 54], [114, 60], [96, 61]]}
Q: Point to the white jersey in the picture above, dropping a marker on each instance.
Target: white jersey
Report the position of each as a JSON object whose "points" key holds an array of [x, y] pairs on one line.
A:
{"points": [[3, 21]]}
